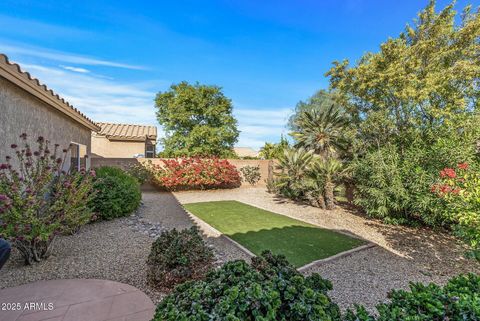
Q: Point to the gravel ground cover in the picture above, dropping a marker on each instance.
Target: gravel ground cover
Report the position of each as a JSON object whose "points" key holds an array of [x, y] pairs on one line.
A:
{"points": [[260, 230], [117, 250], [114, 250], [403, 254]]}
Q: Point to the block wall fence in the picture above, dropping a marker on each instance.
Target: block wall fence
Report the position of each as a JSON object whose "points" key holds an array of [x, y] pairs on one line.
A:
{"points": [[239, 163]]}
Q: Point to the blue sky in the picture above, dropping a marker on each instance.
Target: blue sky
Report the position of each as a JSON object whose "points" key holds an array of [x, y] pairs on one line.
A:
{"points": [[110, 58]]}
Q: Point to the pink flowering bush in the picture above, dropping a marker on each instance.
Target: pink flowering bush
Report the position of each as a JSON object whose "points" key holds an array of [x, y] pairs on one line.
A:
{"points": [[38, 200], [195, 173], [460, 188]]}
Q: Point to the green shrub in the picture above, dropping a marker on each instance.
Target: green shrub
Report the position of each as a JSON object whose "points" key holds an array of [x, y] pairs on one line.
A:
{"points": [[458, 300], [117, 193], [459, 187], [251, 174], [269, 289], [395, 183], [141, 172], [178, 256]]}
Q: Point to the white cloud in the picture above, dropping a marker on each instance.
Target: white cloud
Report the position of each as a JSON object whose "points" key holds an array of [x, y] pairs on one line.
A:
{"points": [[105, 99], [258, 126], [63, 57], [99, 98], [39, 29], [76, 69]]}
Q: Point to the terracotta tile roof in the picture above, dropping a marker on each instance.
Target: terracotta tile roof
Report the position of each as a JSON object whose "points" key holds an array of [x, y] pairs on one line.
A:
{"points": [[127, 131], [245, 152], [13, 73]]}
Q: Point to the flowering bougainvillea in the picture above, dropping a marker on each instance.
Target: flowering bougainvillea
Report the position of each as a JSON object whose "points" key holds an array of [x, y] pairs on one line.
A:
{"points": [[38, 200], [460, 188], [195, 173]]}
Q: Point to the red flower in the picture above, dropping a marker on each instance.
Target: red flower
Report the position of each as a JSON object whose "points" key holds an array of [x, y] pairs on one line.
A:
{"points": [[448, 172], [463, 165]]}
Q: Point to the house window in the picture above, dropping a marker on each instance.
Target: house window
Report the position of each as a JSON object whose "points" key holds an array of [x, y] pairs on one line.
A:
{"points": [[149, 150], [78, 153]]}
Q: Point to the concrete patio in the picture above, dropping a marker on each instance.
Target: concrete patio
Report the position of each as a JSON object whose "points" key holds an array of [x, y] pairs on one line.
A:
{"points": [[75, 300]]}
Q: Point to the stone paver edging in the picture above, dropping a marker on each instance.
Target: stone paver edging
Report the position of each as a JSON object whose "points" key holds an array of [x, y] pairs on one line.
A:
{"points": [[75, 300], [211, 231]]}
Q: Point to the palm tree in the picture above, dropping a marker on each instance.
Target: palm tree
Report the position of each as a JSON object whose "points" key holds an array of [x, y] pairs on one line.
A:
{"points": [[293, 165], [327, 173], [321, 130]]}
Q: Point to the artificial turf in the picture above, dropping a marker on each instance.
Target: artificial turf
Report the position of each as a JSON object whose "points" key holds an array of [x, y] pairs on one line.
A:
{"points": [[259, 230]]}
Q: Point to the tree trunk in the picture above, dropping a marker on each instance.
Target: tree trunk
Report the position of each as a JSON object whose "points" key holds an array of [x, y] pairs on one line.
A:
{"points": [[349, 192], [329, 197], [321, 201]]}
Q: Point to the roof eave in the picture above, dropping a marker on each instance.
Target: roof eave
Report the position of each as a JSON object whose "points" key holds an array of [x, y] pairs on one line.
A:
{"points": [[33, 86]]}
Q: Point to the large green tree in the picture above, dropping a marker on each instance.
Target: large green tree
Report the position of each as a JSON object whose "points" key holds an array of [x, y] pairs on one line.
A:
{"points": [[197, 120], [414, 104], [426, 78]]}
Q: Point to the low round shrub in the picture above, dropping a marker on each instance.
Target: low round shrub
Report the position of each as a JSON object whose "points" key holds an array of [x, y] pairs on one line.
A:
{"points": [[117, 193], [269, 289], [458, 300], [251, 174], [178, 256]]}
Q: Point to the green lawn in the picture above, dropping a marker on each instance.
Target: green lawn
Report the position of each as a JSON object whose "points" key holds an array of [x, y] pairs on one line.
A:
{"points": [[259, 230]]}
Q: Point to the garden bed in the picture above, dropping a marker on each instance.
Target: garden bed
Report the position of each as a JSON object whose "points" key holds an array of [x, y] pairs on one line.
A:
{"points": [[258, 230]]}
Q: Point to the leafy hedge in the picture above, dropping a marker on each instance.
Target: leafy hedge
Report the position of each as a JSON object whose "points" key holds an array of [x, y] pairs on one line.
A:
{"points": [[269, 289], [178, 256], [195, 173], [117, 193]]}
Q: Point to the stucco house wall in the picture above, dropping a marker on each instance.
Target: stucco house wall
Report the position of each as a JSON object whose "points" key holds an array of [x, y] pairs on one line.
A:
{"points": [[30, 107], [23, 113], [115, 140], [103, 147]]}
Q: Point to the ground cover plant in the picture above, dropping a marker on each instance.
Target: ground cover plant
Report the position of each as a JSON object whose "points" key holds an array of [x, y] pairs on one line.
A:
{"points": [[260, 230], [117, 193], [178, 256], [39, 200], [458, 300], [269, 289], [195, 173]]}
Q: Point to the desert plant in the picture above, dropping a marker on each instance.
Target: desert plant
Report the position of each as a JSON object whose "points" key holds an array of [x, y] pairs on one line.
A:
{"points": [[458, 300], [270, 182], [251, 174], [196, 173], [117, 193], [291, 170], [178, 256], [38, 200], [327, 173], [269, 289], [321, 130], [140, 171]]}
